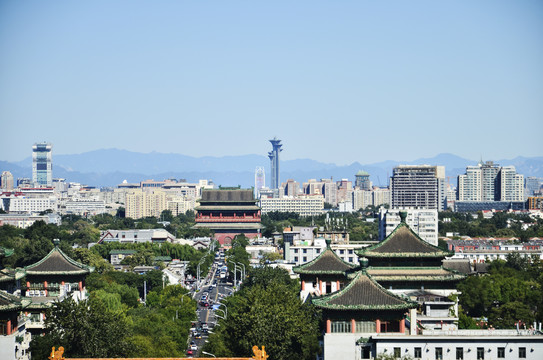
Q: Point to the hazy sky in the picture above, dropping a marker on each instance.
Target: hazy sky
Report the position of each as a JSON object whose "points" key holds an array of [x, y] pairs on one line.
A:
{"points": [[337, 81]]}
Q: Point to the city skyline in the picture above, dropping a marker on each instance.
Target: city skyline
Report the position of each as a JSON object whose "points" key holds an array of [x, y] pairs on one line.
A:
{"points": [[357, 81]]}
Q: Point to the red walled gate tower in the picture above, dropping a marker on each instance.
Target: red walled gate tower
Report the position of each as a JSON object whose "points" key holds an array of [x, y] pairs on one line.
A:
{"points": [[229, 212]]}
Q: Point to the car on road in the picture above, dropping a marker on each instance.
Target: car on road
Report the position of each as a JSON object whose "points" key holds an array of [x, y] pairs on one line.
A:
{"points": [[197, 336], [194, 347]]}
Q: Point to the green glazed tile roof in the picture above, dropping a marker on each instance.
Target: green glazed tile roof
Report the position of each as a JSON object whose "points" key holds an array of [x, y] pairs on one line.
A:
{"points": [[9, 302], [363, 293], [328, 262], [403, 242], [57, 263], [413, 274]]}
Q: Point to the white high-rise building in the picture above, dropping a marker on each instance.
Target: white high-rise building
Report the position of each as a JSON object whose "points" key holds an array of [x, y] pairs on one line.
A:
{"points": [[424, 222], [42, 164], [511, 184], [260, 180], [490, 182]]}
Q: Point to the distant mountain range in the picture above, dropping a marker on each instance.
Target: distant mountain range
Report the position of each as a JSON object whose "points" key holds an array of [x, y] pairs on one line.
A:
{"points": [[110, 167]]}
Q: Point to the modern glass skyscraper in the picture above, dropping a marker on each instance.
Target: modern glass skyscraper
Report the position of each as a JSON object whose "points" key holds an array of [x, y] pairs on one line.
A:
{"points": [[260, 180], [42, 164]]}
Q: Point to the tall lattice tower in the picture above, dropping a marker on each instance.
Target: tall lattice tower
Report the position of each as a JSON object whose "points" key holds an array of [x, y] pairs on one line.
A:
{"points": [[274, 160]]}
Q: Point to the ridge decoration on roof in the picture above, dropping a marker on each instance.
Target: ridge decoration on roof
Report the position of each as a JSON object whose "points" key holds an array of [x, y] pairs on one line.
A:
{"points": [[403, 242], [58, 263], [328, 262], [5, 252], [363, 293]]}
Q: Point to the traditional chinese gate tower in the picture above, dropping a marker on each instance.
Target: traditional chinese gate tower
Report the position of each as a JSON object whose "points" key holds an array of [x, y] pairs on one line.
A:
{"points": [[229, 212]]}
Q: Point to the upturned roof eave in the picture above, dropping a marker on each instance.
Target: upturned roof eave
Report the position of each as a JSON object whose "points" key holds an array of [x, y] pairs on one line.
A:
{"points": [[369, 251], [301, 269]]}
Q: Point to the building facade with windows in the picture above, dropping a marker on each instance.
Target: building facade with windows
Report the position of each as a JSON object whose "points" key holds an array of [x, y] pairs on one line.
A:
{"points": [[418, 187], [42, 164]]}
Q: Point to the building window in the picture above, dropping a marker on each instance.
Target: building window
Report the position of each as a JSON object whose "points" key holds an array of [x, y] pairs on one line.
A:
{"points": [[418, 353], [365, 352], [397, 352], [305, 251], [295, 259], [501, 353], [439, 353], [342, 252], [305, 258], [522, 353], [295, 251], [459, 353], [480, 353], [350, 259]]}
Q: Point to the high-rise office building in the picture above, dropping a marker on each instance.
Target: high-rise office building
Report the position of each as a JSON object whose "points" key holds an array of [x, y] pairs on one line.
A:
{"points": [[418, 187], [362, 180], [42, 164], [274, 162], [6, 181], [260, 180], [532, 186]]}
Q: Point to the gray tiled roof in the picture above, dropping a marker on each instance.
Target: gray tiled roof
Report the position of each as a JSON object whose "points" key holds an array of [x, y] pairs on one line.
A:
{"points": [[227, 195], [363, 293], [403, 242], [56, 262], [326, 263]]}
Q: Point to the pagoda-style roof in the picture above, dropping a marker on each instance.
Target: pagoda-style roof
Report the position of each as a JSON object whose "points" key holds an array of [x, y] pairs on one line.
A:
{"points": [[228, 225], [237, 195], [413, 274], [363, 293], [9, 302], [7, 275], [403, 243], [58, 263], [327, 263], [227, 207]]}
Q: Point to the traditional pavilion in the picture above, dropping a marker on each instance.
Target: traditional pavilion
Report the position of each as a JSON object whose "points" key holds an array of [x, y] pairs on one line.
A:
{"points": [[10, 278], [53, 278], [405, 261], [229, 212], [401, 284], [325, 274], [14, 340], [358, 310]]}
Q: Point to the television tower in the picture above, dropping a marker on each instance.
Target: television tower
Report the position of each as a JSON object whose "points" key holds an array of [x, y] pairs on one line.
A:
{"points": [[274, 160]]}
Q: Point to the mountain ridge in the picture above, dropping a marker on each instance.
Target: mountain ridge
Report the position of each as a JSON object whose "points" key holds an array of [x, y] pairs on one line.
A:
{"points": [[109, 167]]}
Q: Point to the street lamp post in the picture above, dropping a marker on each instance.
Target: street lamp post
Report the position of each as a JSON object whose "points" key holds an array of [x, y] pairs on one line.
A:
{"points": [[243, 276], [235, 271]]}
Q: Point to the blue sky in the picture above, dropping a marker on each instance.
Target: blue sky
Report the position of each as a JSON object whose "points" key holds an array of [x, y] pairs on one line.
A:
{"points": [[337, 81]]}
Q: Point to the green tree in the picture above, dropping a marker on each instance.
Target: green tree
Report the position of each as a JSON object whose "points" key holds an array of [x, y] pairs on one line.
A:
{"points": [[84, 329], [267, 311]]}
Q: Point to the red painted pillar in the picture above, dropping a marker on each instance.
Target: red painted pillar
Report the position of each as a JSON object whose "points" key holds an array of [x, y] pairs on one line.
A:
{"points": [[320, 286], [45, 284], [81, 286], [353, 326], [303, 285], [328, 326], [337, 286], [378, 326], [9, 327], [402, 326]]}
